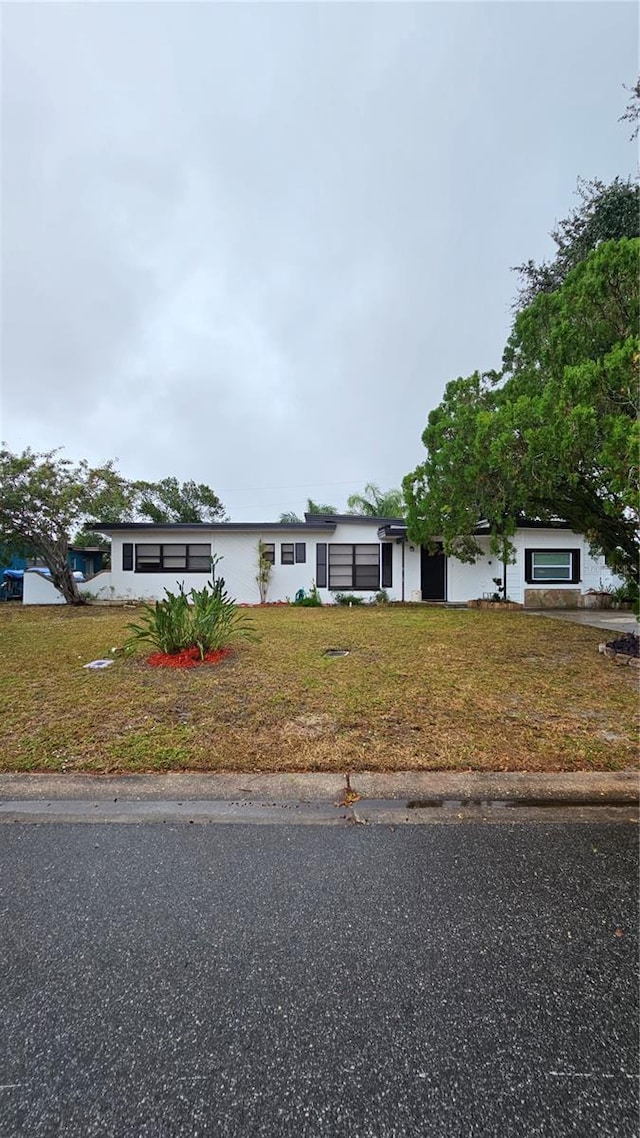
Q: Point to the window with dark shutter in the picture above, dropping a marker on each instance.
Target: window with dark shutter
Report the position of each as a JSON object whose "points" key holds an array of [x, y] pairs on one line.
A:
{"points": [[301, 552], [286, 553], [576, 575], [321, 564], [387, 565], [127, 555]]}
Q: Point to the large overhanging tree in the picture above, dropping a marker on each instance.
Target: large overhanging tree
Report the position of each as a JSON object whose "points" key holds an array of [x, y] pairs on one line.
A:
{"points": [[46, 498], [605, 213], [555, 433]]}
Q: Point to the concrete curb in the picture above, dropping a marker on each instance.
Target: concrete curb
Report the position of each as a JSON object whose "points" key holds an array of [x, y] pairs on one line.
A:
{"points": [[582, 787], [571, 788]]}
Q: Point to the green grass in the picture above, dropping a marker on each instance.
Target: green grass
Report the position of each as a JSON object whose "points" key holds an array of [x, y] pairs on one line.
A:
{"points": [[421, 689]]}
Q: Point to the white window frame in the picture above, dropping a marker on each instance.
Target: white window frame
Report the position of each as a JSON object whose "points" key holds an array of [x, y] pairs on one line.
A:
{"points": [[562, 566]]}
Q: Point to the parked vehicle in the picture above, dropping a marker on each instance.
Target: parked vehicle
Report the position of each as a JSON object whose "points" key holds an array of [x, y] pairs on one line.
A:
{"points": [[11, 585]]}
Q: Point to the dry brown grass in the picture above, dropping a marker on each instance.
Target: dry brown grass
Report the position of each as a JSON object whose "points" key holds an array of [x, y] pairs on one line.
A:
{"points": [[421, 689]]}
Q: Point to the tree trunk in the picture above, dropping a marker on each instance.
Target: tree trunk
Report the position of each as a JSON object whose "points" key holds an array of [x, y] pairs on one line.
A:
{"points": [[55, 554], [64, 581]]}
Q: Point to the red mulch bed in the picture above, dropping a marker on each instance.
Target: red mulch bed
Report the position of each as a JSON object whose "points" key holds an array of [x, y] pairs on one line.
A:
{"points": [[258, 605], [190, 658]]}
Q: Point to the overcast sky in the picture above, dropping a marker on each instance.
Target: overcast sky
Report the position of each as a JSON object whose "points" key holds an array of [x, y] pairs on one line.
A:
{"points": [[250, 244]]}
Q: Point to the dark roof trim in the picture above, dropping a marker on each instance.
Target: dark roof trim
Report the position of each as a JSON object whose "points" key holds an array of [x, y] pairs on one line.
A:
{"points": [[287, 527], [399, 529], [325, 523], [358, 519], [392, 529], [528, 523]]}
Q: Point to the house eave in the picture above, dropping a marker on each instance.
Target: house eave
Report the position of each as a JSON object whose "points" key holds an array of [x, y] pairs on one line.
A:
{"points": [[207, 527], [398, 530]]}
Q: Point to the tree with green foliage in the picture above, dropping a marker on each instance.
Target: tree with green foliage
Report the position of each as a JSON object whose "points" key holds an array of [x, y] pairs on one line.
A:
{"points": [[169, 502], [44, 498], [317, 508], [376, 503], [632, 111], [291, 518], [373, 503], [606, 213], [555, 433]]}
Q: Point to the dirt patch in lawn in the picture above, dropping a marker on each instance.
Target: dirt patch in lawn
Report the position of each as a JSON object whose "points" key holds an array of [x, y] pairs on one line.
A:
{"points": [[310, 727], [420, 689]]}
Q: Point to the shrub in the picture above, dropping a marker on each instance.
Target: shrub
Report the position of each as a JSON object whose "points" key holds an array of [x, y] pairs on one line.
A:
{"points": [[381, 598], [626, 594], [206, 619], [265, 569], [311, 600], [348, 599]]}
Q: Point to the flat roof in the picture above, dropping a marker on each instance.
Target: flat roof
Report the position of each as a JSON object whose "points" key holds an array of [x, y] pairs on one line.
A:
{"points": [[325, 523], [286, 527]]}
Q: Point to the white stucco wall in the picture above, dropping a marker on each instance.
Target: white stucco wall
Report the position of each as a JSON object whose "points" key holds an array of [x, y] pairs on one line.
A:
{"points": [[238, 565], [237, 550], [38, 590], [238, 553], [466, 582]]}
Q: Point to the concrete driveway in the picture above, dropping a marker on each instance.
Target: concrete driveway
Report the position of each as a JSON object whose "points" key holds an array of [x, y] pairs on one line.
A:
{"points": [[614, 620]]}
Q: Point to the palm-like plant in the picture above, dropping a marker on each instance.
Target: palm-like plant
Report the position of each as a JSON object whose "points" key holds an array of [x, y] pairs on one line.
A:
{"points": [[206, 619], [377, 503], [319, 508]]}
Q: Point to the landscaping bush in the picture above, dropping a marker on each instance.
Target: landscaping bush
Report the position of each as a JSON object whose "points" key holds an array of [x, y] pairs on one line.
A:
{"points": [[348, 599], [626, 594], [309, 600], [206, 619], [381, 598]]}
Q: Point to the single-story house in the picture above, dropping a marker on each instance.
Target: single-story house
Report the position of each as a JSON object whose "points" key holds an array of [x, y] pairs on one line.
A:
{"points": [[339, 553]]}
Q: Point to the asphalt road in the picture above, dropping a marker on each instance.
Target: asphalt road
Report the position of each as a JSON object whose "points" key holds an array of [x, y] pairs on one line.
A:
{"points": [[167, 980]]}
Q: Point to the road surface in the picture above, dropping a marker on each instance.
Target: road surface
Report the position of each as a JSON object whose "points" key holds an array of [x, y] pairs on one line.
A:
{"points": [[161, 980]]}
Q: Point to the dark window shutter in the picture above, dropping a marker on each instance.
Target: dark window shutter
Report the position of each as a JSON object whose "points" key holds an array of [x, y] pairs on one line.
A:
{"points": [[528, 575], [387, 565], [127, 555], [321, 564], [575, 566], [301, 552]]}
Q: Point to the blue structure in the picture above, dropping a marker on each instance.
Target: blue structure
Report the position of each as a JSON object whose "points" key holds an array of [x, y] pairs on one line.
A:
{"points": [[14, 562], [85, 563]]}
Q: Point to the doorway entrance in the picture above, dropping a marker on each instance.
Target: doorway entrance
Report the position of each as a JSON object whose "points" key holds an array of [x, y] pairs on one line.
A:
{"points": [[433, 575]]}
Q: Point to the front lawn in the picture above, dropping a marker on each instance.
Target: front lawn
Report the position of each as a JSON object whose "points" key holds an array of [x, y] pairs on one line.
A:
{"points": [[421, 689]]}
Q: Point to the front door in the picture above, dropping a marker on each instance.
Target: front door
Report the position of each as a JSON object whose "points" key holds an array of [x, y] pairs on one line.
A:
{"points": [[433, 575]]}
